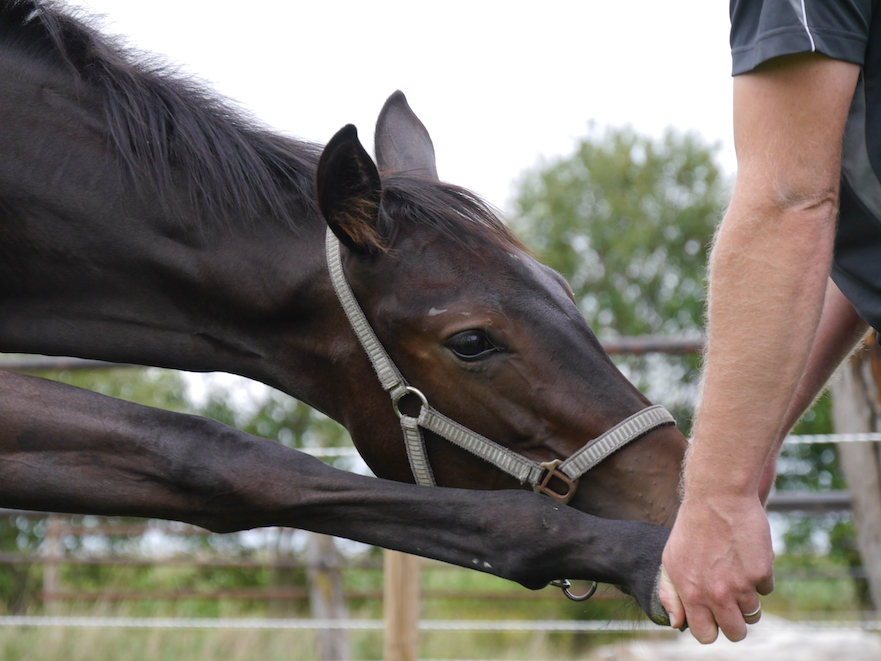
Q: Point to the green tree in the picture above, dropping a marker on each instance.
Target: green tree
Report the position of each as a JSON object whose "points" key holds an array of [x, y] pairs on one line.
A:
{"points": [[628, 219]]}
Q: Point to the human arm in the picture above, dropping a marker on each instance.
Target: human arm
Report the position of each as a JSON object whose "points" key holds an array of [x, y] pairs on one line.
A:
{"points": [[839, 331], [769, 270]]}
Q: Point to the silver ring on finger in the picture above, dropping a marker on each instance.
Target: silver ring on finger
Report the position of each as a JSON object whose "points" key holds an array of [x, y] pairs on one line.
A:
{"points": [[753, 614]]}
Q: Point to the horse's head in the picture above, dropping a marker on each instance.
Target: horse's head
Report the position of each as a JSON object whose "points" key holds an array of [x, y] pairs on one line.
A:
{"points": [[492, 338]]}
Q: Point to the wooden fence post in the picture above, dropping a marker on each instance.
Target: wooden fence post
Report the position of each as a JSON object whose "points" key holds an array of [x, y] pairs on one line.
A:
{"points": [[326, 596], [52, 553], [856, 408], [401, 606]]}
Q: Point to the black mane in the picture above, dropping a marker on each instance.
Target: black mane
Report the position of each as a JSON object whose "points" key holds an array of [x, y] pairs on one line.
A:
{"points": [[171, 133], [167, 129], [454, 211]]}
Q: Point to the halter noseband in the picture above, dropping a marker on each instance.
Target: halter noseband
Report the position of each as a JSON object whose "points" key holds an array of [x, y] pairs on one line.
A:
{"points": [[536, 474]]}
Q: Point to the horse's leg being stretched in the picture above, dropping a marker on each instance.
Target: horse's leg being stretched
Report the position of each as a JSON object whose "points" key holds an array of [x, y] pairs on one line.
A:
{"points": [[64, 449]]}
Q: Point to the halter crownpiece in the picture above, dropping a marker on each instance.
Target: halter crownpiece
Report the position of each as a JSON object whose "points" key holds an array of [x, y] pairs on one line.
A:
{"points": [[536, 474]]}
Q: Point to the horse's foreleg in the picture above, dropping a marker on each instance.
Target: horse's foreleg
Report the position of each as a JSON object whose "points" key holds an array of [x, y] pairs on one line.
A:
{"points": [[68, 450]]}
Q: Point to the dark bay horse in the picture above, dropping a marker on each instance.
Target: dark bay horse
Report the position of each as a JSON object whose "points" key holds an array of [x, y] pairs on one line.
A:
{"points": [[144, 221]]}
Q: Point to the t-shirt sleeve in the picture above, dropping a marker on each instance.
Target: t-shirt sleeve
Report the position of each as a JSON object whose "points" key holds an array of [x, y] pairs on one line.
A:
{"points": [[765, 29]]}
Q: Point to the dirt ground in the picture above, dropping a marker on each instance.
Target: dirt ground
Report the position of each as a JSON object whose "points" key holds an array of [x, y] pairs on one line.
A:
{"points": [[769, 640]]}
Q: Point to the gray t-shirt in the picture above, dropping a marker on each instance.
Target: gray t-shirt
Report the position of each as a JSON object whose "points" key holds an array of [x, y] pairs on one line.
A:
{"points": [[847, 30]]}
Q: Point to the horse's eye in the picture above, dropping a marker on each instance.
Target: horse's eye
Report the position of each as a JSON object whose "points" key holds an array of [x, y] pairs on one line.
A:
{"points": [[471, 345]]}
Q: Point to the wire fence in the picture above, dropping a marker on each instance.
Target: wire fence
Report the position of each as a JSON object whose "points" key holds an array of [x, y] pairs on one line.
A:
{"points": [[780, 502], [493, 626]]}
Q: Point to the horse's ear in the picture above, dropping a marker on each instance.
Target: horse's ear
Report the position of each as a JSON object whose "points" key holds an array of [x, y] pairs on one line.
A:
{"points": [[349, 192], [402, 142]]}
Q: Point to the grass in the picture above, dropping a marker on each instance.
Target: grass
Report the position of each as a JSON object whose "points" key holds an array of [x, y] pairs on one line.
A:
{"points": [[97, 644], [68, 644], [792, 598]]}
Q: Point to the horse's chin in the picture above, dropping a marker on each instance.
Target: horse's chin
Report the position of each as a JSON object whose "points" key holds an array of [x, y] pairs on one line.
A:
{"points": [[650, 604], [656, 610]]}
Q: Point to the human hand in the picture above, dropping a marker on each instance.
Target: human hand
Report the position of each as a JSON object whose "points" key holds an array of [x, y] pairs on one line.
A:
{"points": [[716, 563]]}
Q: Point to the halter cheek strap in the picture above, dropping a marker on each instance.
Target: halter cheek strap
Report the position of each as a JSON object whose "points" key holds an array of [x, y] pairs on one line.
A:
{"points": [[538, 475]]}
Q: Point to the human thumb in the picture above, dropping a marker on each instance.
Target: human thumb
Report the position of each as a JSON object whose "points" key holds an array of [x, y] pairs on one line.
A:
{"points": [[669, 597]]}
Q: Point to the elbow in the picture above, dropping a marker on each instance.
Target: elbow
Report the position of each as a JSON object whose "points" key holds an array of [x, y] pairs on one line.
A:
{"points": [[810, 198], [818, 204], [803, 213]]}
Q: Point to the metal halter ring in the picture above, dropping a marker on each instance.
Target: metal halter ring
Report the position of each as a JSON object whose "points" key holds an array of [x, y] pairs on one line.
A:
{"points": [[564, 585], [409, 390]]}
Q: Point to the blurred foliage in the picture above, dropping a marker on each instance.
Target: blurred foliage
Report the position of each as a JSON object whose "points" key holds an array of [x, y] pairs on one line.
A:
{"points": [[268, 413], [628, 220], [811, 467], [20, 582], [149, 386], [809, 584], [815, 467]]}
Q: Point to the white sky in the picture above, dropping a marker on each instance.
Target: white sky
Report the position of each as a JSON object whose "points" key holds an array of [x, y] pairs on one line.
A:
{"points": [[497, 84]]}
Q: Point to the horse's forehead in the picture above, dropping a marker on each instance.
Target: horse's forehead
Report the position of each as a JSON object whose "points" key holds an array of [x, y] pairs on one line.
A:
{"points": [[527, 268], [498, 276], [500, 265]]}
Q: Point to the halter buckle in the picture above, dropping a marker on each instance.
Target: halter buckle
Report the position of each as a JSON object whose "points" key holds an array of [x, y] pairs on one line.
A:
{"points": [[554, 473]]}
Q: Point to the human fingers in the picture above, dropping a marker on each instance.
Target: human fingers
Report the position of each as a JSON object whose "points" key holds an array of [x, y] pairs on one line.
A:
{"points": [[702, 624], [669, 597], [752, 608], [766, 585]]}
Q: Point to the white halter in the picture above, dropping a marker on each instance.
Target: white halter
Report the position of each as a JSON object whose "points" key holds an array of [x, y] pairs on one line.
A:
{"points": [[538, 475]]}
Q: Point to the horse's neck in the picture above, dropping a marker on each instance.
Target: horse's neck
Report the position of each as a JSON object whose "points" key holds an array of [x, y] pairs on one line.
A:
{"points": [[117, 288], [89, 267]]}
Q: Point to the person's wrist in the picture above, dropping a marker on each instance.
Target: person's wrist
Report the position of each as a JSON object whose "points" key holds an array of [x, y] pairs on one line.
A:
{"points": [[720, 483], [710, 472]]}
